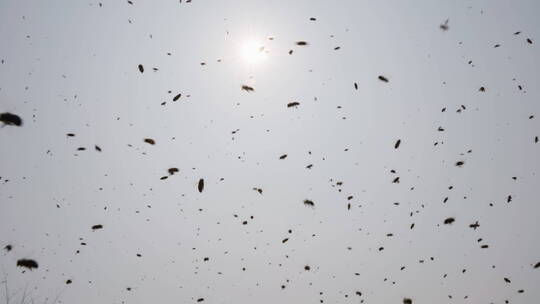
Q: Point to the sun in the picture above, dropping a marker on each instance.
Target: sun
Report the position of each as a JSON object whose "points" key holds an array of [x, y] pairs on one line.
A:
{"points": [[253, 52]]}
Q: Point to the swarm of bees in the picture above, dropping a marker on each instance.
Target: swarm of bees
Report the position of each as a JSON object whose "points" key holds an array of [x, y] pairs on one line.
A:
{"points": [[9, 119]]}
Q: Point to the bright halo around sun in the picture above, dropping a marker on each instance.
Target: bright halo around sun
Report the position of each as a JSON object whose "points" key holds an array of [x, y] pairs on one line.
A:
{"points": [[253, 52]]}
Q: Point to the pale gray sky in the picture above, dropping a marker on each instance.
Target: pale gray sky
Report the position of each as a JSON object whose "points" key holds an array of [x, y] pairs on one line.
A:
{"points": [[72, 67]]}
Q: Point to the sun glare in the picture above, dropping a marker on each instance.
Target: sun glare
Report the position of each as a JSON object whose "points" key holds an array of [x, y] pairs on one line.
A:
{"points": [[253, 52]]}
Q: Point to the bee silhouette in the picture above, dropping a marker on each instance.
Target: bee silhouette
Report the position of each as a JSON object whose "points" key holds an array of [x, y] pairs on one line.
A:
{"points": [[11, 119], [309, 203], [96, 227], [201, 185], [247, 88], [27, 263], [293, 104], [149, 141], [474, 226], [444, 26]]}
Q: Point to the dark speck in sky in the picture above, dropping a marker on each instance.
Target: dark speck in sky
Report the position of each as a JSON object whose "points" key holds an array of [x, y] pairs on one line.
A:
{"points": [[27, 263], [200, 186], [11, 119], [383, 78]]}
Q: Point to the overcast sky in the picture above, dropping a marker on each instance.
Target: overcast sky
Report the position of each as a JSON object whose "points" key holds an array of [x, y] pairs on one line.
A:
{"points": [[317, 122]]}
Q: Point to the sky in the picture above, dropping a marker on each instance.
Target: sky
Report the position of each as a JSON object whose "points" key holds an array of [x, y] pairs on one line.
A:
{"points": [[307, 196]]}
